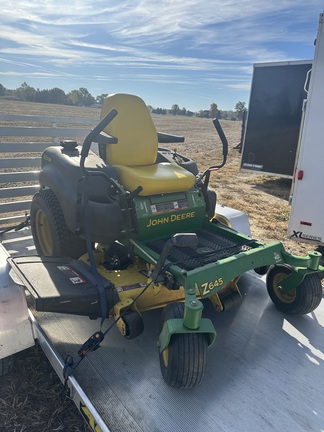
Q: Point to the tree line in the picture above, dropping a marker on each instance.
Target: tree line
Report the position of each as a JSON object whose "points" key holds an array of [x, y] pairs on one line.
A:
{"points": [[213, 112], [82, 97]]}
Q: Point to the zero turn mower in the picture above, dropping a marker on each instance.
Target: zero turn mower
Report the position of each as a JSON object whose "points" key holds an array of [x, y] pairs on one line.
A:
{"points": [[134, 229]]}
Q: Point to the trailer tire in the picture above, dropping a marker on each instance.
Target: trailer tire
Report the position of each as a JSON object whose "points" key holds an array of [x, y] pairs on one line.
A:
{"points": [[6, 365], [300, 300], [183, 363], [50, 232]]}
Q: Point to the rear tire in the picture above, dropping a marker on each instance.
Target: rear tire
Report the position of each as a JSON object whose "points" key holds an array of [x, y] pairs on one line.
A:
{"points": [[50, 232], [298, 301], [183, 363]]}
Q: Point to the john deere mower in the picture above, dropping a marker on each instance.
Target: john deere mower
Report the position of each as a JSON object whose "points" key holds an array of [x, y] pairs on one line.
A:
{"points": [[133, 229]]}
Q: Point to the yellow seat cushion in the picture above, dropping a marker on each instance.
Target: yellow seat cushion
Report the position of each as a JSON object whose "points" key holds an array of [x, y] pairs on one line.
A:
{"points": [[135, 153], [155, 179]]}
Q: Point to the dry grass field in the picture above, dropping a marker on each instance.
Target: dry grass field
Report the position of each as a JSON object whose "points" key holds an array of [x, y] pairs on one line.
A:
{"points": [[31, 396]]}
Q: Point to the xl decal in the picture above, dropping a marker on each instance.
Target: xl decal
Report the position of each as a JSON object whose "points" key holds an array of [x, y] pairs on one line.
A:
{"points": [[300, 235]]}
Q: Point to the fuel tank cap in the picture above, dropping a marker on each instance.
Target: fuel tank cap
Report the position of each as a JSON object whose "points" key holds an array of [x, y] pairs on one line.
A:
{"points": [[69, 145]]}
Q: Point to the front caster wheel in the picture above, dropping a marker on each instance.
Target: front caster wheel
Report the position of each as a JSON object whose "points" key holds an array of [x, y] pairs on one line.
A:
{"points": [[183, 362], [134, 325], [298, 301]]}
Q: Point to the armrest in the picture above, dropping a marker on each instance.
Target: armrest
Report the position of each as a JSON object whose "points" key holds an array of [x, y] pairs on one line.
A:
{"points": [[169, 138]]}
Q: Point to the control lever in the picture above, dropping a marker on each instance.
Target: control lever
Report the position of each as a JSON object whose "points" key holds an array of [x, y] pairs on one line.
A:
{"points": [[94, 134]]}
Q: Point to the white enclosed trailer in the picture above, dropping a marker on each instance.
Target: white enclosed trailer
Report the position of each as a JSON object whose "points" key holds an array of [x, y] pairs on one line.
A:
{"points": [[307, 207]]}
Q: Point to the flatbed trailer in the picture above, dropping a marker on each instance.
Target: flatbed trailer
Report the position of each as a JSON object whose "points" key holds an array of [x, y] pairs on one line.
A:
{"points": [[265, 371]]}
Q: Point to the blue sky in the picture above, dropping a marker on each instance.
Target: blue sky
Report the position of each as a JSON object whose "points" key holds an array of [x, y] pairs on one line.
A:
{"points": [[188, 52]]}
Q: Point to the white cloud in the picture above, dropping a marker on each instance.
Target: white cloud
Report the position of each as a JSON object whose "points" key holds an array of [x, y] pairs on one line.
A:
{"points": [[32, 74], [152, 20], [162, 41], [240, 86]]}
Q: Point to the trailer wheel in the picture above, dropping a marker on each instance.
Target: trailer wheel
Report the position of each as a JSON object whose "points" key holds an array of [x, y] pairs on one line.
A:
{"points": [[6, 365], [298, 301], [183, 363], [51, 235]]}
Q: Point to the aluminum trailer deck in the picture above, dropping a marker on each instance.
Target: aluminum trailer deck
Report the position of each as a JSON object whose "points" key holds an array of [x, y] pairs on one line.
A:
{"points": [[265, 370]]}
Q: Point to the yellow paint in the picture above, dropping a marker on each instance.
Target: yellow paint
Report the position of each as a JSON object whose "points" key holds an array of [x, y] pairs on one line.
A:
{"points": [[207, 287], [124, 280], [89, 418]]}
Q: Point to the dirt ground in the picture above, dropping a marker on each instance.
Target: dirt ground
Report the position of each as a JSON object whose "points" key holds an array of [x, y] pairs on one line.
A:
{"points": [[31, 396]]}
